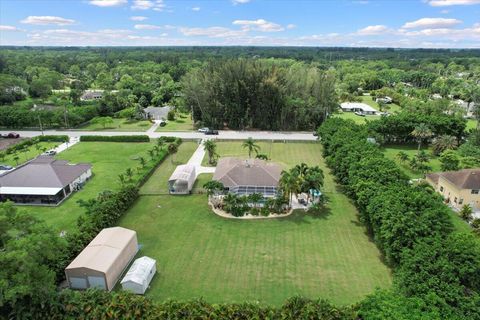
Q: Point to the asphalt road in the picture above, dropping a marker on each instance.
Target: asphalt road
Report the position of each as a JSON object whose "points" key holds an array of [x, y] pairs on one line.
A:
{"points": [[229, 135]]}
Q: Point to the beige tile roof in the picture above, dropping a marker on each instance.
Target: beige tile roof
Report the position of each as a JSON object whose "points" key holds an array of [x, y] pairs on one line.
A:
{"points": [[252, 172], [463, 179]]}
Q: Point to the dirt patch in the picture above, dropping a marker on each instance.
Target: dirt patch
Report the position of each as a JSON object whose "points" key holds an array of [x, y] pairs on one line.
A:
{"points": [[5, 143]]}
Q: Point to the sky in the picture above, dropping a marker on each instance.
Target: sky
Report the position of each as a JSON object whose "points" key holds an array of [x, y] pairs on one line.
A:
{"points": [[351, 23]]}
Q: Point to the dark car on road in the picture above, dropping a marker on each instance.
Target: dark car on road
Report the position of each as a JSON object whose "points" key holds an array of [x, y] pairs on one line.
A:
{"points": [[11, 135], [5, 167], [211, 132]]}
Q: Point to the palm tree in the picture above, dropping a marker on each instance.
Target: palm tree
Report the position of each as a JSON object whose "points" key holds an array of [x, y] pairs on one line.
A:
{"points": [[289, 183], [251, 145], [403, 156], [443, 143], [121, 178], [421, 132], [255, 198], [422, 157], [151, 153], [156, 149], [172, 149], [143, 162], [213, 186], [466, 212], [160, 142], [211, 148], [129, 174]]}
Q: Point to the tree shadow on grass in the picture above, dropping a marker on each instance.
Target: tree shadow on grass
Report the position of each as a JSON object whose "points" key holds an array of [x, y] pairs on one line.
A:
{"points": [[300, 216]]}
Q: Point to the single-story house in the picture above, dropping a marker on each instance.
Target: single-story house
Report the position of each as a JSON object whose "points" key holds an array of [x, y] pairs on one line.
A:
{"points": [[457, 187], [103, 261], [139, 275], [43, 181], [182, 179], [358, 107], [244, 177], [91, 95], [157, 113]]}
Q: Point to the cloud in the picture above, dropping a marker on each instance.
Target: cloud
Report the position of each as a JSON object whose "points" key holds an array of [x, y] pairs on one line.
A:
{"points": [[138, 18], [146, 27], [446, 3], [431, 23], [47, 20], [373, 30], [259, 25], [108, 3], [211, 32], [196, 9], [156, 5], [291, 26], [8, 28], [361, 2], [235, 2], [444, 11]]}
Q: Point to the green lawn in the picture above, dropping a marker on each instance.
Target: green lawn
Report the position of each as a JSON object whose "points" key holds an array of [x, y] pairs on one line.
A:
{"points": [[182, 123], [471, 124], [109, 159], [199, 254], [119, 124], [392, 108], [391, 152], [31, 152]]}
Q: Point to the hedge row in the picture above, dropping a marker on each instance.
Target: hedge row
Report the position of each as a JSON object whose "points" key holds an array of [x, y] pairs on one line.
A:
{"points": [[95, 304], [30, 142], [136, 138], [410, 224]]}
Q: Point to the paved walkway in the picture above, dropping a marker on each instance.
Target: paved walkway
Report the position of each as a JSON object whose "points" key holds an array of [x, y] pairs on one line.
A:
{"points": [[154, 127], [196, 160], [66, 145]]}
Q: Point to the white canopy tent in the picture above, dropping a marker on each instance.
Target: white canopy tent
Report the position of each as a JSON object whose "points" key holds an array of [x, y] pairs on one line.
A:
{"points": [[139, 275], [182, 179]]}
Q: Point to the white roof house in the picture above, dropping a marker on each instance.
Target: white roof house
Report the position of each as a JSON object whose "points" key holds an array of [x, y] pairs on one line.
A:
{"points": [[182, 179], [139, 275], [357, 106]]}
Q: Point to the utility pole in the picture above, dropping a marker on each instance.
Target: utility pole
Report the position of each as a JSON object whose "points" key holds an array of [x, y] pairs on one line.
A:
{"points": [[40, 122]]}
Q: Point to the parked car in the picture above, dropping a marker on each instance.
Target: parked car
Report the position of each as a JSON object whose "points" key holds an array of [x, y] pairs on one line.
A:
{"points": [[203, 130], [11, 135], [5, 167], [211, 132], [49, 153], [163, 123], [315, 134], [359, 113]]}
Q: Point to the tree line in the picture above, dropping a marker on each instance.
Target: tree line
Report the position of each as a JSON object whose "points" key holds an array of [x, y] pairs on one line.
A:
{"points": [[261, 94]]}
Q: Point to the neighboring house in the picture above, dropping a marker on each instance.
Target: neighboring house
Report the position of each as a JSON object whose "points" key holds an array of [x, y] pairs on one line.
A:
{"points": [[89, 95], [358, 107], [467, 107], [458, 187], [157, 113], [182, 179], [43, 181], [385, 100], [244, 177], [103, 260]]}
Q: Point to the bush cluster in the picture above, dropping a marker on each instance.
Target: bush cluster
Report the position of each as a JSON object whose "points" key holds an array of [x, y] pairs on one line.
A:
{"points": [[136, 138], [410, 224]]}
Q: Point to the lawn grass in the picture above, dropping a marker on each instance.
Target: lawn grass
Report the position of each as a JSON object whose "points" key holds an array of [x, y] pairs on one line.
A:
{"points": [[199, 254], [183, 122], [471, 124], [119, 124], [391, 152], [31, 152], [391, 108], [157, 184], [108, 159]]}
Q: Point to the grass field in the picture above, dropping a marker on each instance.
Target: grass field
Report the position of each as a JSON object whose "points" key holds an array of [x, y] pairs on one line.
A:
{"points": [[391, 152], [392, 108], [31, 152], [471, 124], [119, 124], [108, 159], [182, 123], [199, 254]]}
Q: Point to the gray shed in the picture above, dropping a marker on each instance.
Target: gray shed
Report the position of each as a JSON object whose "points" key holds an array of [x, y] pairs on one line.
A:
{"points": [[102, 262], [182, 179]]}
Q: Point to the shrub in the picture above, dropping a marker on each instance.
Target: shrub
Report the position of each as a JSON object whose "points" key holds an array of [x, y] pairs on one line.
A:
{"points": [[171, 115], [137, 138]]}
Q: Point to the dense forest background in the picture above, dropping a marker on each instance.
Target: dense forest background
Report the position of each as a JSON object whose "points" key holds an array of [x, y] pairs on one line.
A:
{"points": [[228, 87]]}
